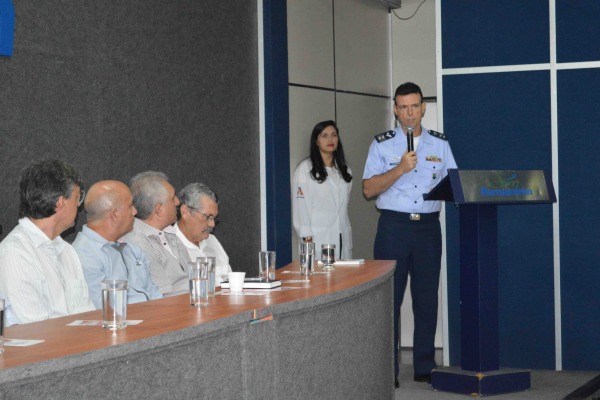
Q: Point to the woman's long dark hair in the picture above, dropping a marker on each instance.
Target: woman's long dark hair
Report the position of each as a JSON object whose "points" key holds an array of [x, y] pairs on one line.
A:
{"points": [[318, 171]]}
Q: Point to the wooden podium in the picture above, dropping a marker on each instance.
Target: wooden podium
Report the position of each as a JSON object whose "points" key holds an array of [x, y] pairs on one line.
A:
{"points": [[478, 193]]}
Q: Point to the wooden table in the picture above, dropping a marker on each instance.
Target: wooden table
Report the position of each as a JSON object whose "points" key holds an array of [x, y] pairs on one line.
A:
{"points": [[332, 335]]}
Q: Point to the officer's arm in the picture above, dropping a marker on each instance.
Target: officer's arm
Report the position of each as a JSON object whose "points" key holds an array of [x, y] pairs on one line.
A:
{"points": [[378, 184]]}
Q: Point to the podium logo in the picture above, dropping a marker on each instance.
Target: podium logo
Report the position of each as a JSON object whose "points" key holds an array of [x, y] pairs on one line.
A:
{"points": [[501, 186]]}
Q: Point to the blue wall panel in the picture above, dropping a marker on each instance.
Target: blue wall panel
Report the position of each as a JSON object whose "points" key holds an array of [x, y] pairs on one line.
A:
{"points": [[277, 144], [579, 144], [577, 30], [490, 32], [493, 123]]}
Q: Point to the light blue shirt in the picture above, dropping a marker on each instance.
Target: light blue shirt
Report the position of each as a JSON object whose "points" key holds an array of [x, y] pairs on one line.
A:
{"points": [[102, 260], [434, 158]]}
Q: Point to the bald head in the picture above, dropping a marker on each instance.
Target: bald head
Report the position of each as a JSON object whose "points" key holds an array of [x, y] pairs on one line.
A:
{"points": [[109, 209]]}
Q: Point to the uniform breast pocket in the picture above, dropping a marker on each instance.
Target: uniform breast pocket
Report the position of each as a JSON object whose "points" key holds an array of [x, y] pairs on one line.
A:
{"points": [[433, 172]]}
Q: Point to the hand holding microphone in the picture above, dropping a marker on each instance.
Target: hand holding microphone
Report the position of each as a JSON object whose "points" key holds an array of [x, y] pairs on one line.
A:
{"points": [[410, 160], [410, 138]]}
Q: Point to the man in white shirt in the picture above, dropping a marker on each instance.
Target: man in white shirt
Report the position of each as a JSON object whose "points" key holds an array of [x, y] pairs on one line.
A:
{"points": [[40, 273], [199, 212], [156, 203]]}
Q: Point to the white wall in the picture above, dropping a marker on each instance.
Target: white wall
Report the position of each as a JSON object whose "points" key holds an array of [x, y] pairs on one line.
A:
{"points": [[413, 46], [338, 46]]}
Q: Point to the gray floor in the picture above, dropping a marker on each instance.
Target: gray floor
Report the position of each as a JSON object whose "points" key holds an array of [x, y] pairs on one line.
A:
{"points": [[546, 385]]}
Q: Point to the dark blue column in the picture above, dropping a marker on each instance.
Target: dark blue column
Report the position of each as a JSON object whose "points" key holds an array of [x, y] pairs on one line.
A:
{"points": [[479, 287], [277, 144]]}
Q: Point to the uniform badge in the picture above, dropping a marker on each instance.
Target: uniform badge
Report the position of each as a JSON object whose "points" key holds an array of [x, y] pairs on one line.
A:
{"points": [[394, 161], [382, 137], [299, 193], [433, 159]]}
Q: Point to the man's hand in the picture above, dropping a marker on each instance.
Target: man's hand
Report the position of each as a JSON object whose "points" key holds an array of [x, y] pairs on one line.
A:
{"points": [[408, 162], [378, 184]]}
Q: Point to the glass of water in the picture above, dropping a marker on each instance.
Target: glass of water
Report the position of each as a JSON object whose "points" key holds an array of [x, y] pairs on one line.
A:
{"points": [[328, 256], [198, 278], [114, 304], [211, 261], [307, 258]]}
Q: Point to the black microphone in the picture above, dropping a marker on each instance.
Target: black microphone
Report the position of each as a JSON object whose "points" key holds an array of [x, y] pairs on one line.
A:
{"points": [[409, 138]]}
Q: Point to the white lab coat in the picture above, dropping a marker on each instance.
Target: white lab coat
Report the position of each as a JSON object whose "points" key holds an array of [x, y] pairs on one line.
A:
{"points": [[320, 210]]}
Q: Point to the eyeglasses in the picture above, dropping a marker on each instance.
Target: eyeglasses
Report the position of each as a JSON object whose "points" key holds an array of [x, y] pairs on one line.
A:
{"points": [[81, 197], [207, 218]]}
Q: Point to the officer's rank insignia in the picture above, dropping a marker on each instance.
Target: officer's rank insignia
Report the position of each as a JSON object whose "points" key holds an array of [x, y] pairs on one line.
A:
{"points": [[439, 135], [382, 137]]}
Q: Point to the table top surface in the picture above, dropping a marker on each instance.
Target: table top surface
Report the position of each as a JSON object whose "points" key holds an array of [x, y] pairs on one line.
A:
{"points": [[174, 313]]}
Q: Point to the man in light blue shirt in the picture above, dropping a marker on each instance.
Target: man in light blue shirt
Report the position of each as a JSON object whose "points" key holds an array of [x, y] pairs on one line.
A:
{"points": [[103, 254], [409, 230]]}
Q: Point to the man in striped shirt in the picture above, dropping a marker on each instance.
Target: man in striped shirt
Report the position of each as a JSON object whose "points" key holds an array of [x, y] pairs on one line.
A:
{"points": [[40, 273]]}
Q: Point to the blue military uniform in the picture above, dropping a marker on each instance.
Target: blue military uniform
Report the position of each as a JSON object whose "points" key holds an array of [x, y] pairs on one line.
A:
{"points": [[409, 232]]}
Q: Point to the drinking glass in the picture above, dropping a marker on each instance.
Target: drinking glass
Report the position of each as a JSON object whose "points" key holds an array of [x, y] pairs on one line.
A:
{"points": [[328, 256], [198, 278], [211, 261], [307, 258], [114, 304], [266, 265]]}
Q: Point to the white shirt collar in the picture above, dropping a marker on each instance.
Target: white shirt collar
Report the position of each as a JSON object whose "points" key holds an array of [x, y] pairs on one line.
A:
{"points": [[39, 238], [186, 241]]}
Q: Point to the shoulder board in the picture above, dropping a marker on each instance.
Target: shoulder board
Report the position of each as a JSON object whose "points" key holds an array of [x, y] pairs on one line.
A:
{"points": [[439, 135], [382, 137]]}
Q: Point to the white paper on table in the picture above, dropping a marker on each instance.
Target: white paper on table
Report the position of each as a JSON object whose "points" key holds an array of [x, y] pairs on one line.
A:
{"points": [[342, 263], [21, 342], [298, 272], [296, 281], [88, 322]]}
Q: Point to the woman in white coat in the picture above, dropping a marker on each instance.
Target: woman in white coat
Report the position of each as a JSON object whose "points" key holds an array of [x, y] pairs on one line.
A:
{"points": [[320, 192]]}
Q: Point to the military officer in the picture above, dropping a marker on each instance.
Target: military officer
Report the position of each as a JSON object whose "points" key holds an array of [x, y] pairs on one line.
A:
{"points": [[408, 230]]}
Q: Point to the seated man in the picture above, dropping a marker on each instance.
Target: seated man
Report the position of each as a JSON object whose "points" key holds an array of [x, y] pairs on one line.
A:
{"points": [[40, 273], [156, 204], [199, 209], [110, 215]]}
